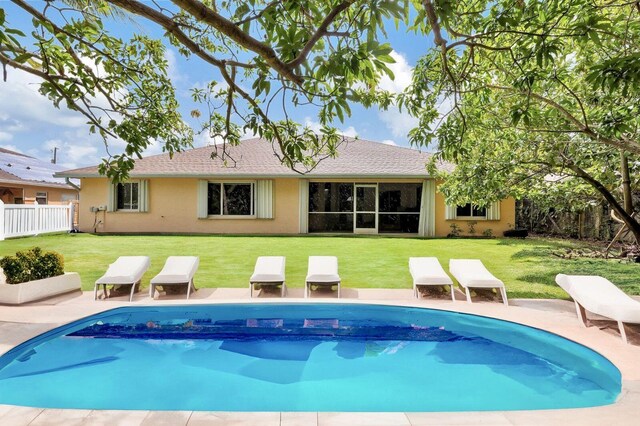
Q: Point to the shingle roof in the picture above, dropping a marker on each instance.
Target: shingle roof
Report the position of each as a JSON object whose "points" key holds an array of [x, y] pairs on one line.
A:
{"points": [[255, 158]]}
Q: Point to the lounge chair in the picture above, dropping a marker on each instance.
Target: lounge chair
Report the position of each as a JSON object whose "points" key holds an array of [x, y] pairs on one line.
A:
{"points": [[126, 270], [426, 271], [177, 270], [600, 296], [323, 271], [269, 270], [471, 273]]}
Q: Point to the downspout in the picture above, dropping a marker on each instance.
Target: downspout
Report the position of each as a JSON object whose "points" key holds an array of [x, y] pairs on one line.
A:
{"points": [[71, 184]]}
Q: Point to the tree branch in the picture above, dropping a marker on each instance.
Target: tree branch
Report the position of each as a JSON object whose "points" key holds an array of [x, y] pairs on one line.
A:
{"points": [[228, 28], [320, 32]]}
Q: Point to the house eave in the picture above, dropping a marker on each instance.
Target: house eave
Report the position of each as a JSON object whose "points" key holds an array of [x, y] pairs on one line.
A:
{"points": [[254, 176]]}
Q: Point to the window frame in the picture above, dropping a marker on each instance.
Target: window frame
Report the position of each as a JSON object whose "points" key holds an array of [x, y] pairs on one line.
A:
{"points": [[117, 198], [472, 216], [45, 196], [252, 202]]}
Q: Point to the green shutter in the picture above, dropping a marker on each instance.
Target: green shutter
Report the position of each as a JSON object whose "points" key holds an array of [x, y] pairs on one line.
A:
{"points": [[203, 187], [264, 199], [427, 227], [143, 195], [493, 211], [111, 196], [303, 201], [450, 212]]}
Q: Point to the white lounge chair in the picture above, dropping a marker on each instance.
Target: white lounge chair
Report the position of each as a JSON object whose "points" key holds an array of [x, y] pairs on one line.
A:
{"points": [[600, 296], [269, 270], [426, 271], [177, 270], [471, 273], [126, 270], [323, 270]]}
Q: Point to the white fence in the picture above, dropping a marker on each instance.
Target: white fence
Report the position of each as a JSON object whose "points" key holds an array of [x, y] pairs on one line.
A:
{"points": [[19, 220]]}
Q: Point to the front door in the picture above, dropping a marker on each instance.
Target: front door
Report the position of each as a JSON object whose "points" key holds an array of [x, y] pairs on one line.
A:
{"points": [[366, 206]]}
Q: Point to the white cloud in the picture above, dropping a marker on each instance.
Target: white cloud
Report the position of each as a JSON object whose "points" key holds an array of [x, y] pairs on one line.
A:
{"points": [[403, 74], [4, 136], [316, 127], [173, 72], [20, 102], [399, 123], [389, 142]]}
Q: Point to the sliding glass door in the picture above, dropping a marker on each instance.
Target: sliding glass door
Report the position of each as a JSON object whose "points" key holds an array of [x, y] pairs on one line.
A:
{"points": [[366, 209]]}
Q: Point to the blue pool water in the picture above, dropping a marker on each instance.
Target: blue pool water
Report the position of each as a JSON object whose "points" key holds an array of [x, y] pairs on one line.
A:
{"points": [[302, 357]]}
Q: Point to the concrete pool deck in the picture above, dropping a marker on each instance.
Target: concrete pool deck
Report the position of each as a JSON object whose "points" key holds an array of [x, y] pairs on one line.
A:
{"points": [[20, 323]]}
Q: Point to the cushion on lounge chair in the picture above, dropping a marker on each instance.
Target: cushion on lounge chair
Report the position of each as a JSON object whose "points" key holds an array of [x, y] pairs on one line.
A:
{"points": [[177, 270], [428, 271], [472, 273], [268, 269], [323, 269], [125, 270], [600, 296]]}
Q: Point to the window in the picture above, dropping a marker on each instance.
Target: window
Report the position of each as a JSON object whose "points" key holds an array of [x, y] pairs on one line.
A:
{"points": [[41, 197], [18, 200], [230, 199], [127, 196], [330, 207], [471, 210], [399, 207]]}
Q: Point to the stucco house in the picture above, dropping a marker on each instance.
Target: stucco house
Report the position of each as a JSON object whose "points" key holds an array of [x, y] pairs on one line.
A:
{"points": [[370, 188], [25, 180]]}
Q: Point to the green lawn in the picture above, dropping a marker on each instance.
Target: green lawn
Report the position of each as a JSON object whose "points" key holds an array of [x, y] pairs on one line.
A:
{"points": [[526, 266]]}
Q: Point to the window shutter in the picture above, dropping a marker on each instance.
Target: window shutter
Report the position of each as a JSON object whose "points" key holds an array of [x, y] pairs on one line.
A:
{"points": [[450, 212], [427, 227], [143, 195], [304, 206], [111, 197], [264, 199], [203, 188], [493, 211]]}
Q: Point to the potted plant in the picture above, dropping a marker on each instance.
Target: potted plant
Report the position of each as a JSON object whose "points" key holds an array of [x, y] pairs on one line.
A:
{"points": [[33, 275]]}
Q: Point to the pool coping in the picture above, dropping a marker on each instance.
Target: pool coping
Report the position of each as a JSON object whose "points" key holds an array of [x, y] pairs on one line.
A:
{"points": [[555, 316]]}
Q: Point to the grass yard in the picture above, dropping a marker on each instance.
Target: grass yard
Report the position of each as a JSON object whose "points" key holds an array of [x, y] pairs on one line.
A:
{"points": [[527, 267]]}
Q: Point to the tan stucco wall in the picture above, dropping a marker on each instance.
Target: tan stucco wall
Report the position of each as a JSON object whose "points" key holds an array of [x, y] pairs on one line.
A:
{"points": [[507, 219], [54, 195], [173, 208]]}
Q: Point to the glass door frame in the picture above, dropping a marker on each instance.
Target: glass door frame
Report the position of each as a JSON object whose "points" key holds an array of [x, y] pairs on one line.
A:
{"points": [[357, 230]]}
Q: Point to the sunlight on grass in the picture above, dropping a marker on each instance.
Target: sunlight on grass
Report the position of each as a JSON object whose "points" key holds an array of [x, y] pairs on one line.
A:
{"points": [[526, 266]]}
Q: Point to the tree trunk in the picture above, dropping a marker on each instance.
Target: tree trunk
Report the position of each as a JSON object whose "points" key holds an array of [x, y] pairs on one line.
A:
{"points": [[631, 223], [626, 183]]}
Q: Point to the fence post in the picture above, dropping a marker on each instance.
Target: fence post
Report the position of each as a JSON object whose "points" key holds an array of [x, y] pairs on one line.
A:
{"points": [[72, 214], [2, 221], [36, 218]]}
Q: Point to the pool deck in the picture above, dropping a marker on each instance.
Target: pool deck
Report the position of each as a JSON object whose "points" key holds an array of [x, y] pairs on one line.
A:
{"points": [[21, 323]]}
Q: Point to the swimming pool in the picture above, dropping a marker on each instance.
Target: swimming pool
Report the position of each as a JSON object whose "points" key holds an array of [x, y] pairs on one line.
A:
{"points": [[302, 357]]}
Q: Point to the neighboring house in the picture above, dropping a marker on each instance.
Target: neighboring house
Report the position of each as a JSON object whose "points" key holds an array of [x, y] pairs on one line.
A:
{"points": [[25, 180], [369, 188]]}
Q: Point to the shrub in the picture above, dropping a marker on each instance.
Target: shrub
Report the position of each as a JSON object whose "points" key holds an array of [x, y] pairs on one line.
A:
{"points": [[487, 233], [516, 233], [32, 264], [472, 227], [455, 230]]}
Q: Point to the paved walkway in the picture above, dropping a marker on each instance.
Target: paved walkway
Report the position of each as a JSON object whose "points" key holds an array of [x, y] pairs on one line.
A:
{"points": [[20, 323]]}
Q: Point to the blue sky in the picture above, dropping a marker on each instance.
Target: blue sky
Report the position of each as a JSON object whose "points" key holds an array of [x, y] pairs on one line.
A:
{"points": [[30, 124]]}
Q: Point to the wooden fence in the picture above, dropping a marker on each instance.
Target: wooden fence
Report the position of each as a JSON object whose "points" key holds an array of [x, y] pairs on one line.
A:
{"points": [[20, 220]]}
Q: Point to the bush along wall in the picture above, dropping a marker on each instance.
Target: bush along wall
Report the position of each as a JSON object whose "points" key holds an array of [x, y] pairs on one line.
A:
{"points": [[31, 265]]}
